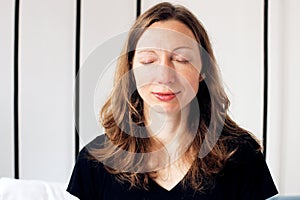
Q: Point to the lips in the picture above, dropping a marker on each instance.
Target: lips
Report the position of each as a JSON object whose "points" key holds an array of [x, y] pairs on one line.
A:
{"points": [[165, 96]]}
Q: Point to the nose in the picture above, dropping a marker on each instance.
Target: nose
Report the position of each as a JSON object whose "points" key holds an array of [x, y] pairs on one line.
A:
{"points": [[165, 70]]}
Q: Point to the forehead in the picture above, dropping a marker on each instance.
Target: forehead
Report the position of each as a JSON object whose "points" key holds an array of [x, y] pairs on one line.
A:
{"points": [[167, 35]]}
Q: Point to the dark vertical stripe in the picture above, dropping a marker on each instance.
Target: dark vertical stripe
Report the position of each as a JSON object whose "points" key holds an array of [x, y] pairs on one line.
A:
{"points": [[138, 8], [16, 89], [77, 79], [266, 71]]}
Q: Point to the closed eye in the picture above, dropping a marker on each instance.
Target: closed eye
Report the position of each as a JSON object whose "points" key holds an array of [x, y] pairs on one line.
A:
{"points": [[146, 57], [146, 61], [180, 59]]}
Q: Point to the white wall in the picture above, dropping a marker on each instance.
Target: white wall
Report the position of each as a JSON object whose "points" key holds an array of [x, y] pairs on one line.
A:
{"points": [[47, 55], [47, 49], [284, 135], [6, 87], [103, 24]]}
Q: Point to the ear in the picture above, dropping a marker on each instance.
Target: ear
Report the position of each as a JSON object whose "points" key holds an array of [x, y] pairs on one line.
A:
{"points": [[202, 77]]}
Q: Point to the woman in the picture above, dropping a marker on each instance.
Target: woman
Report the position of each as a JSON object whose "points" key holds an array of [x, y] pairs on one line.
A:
{"points": [[167, 131]]}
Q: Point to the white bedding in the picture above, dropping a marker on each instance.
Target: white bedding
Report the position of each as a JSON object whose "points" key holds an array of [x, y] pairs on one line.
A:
{"points": [[13, 189]]}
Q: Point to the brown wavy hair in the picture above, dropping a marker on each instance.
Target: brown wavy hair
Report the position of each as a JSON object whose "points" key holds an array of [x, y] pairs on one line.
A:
{"points": [[122, 114]]}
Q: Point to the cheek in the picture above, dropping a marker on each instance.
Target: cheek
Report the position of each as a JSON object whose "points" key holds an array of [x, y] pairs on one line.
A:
{"points": [[191, 80], [142, 80], [142, 74], [142, 77], [195, 78], [195, 84]]}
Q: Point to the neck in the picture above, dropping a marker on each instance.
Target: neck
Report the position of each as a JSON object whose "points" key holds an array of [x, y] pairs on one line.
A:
{"points": [[168, 129]]}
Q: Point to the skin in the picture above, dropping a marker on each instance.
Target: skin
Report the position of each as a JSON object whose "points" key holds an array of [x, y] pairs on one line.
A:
{"points": [[169, 62], [167, 68]]}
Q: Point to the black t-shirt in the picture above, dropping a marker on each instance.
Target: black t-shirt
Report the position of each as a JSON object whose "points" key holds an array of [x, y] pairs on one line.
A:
{"points": [[245, 177]]}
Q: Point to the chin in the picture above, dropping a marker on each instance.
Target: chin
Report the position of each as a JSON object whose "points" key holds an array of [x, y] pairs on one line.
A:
{"points": [[166, 109]]}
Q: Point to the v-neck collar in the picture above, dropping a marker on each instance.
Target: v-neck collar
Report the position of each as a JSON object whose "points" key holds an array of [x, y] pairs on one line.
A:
{"points": [[155, 186], [178, 185]]}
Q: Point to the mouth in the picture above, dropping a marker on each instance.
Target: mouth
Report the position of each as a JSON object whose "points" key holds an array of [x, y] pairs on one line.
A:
{"points": [[165, 96]]}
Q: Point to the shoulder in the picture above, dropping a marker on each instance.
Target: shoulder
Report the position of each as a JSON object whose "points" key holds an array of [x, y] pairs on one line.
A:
{"points": [[88, 173], [97, 143], [244, 146], [85, 157], [246, 170], [87, 162], [243, 152]]}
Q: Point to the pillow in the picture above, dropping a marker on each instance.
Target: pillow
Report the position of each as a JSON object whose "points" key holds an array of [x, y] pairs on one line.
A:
{"points": [[15, 189]]}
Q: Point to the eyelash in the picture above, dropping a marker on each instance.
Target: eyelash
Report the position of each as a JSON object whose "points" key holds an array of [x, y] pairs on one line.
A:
{"points": [[182, 61], [147, 62], [179, 60]]}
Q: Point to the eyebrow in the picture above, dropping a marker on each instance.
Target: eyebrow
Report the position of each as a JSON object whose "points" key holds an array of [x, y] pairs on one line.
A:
{"points": [[153, 50], [183, 47], [145, 51]]}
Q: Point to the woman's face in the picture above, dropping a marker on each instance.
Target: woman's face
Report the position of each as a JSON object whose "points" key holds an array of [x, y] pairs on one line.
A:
{"points": [[167, 66]]}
